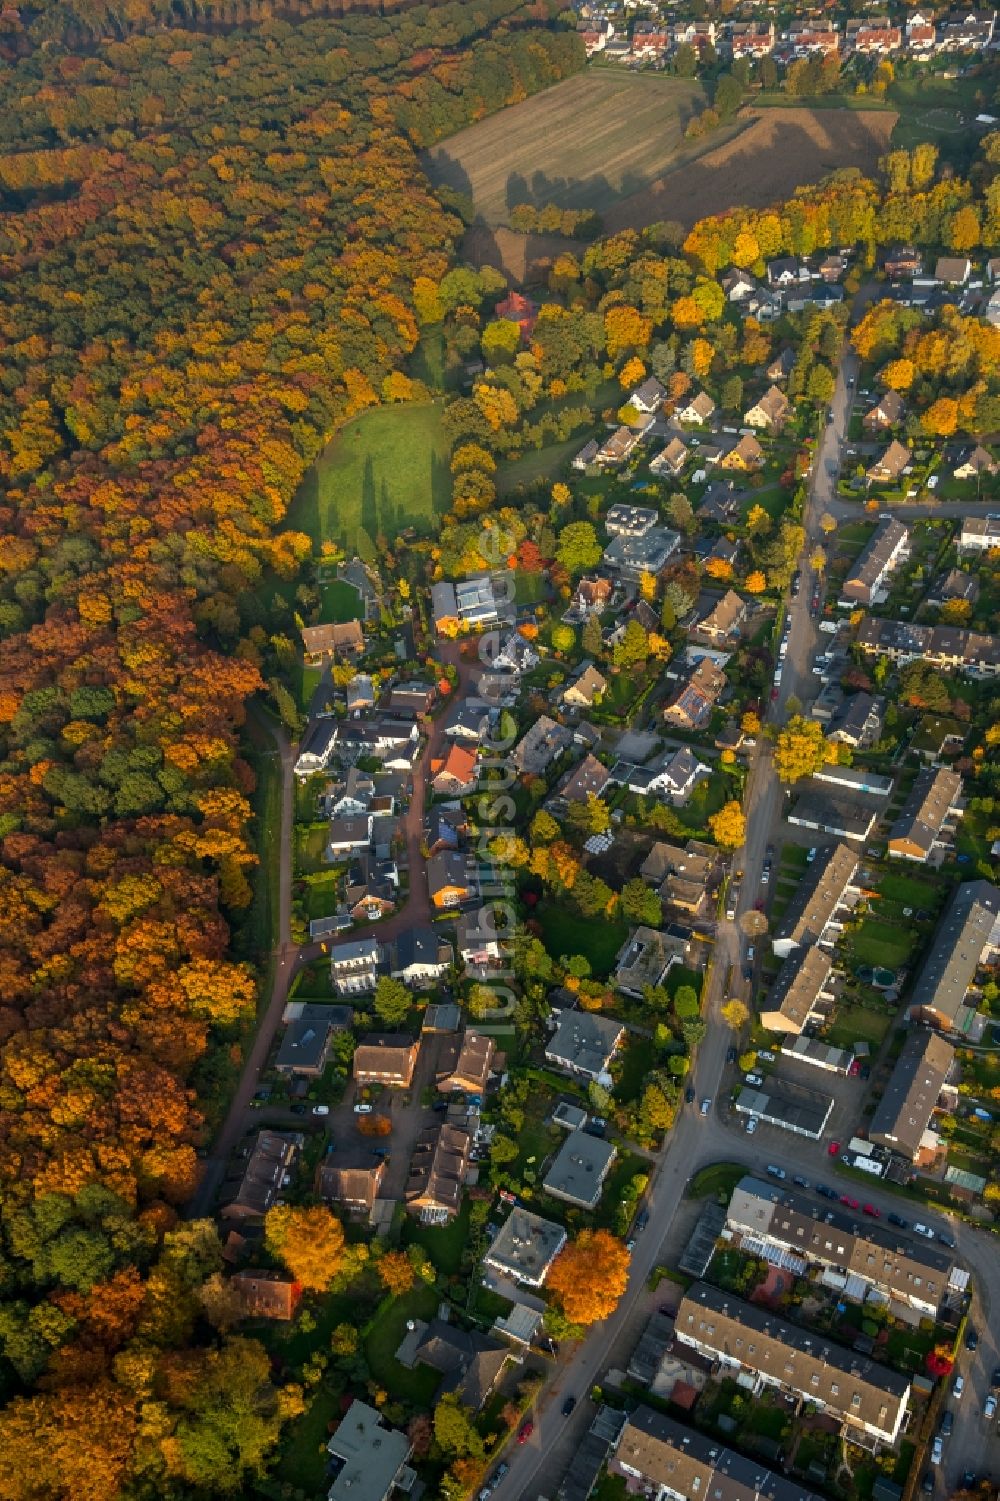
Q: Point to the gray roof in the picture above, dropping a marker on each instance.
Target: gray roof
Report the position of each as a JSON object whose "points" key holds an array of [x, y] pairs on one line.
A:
{"points": [[579, 1168], [858, 715], [868, 571], [791, 1106], [584, 1041], [968, 924], [819, 894], [688, 1463], [304, 1045], [907, 1104], [525, 1246], [373, 1454], [793, 995], [926, 808], [832, 817], [420, 945]]}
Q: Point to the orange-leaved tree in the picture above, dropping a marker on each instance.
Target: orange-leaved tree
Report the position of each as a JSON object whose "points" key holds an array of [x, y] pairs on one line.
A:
{"points": [[309, 1241], [589, 1276]]}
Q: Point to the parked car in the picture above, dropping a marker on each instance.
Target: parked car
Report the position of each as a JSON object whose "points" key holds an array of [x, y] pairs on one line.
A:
{"points": [[730, 1055], [751, 1125], [958, 1388], [947, 1239], [924, 1230], [568, 1406], [705, 1106], [298, 1108], [947, 1424], [990, 1406], [851, 1203], [995, 1379], [755, 1079], [897, 1220], [767, 1057], [811, 854], [876, 1214], [827, 1193], [323, 1109], [525, 1431], [500, 1471], [971, 1339], [775, 1172], [362, 1109], [801, 1182], [937, 1449], [833, 1149], [927, 1484], [689, 1096], [641, 1221]]}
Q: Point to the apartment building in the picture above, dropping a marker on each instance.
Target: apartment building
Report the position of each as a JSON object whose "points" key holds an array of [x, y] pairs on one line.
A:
{"points": [[927, 820], [888, 547], [945, 646], [968, 935], [355, 966], [800, 992], [826, 894], [671, 1461], [902, 1119], [386, 1058], [865, 1398]]}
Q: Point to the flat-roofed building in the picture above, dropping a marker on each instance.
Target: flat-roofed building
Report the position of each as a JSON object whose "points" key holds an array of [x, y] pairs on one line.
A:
{"points": [[904, 1113], [828, 816], [927, 819], [767, 1218], [866, 1399], [793, 1107], [853, 780], [674, 1463], [967, 936], [372, 1457], [579, 1169], [825, 896], [584, 1044], [525, 1247], [796, 997]]}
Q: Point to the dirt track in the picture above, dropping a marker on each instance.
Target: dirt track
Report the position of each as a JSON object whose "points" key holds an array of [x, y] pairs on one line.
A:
{"points": [[778, 151]]}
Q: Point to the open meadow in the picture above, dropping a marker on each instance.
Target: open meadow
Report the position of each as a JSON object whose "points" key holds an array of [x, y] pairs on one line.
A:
{"points": [[386, 470]]}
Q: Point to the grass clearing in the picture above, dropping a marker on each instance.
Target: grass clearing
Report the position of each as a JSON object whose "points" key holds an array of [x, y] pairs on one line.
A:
{"points": [[384, 1338], [383, 472], [910, 891], [719, 1178], [341, 602], [566, 932], [443, 1243], [881, 943], [857, 1024], [539, 463]]}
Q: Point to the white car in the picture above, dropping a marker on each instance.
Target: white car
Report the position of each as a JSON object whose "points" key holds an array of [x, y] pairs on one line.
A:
{"points": [[958, 1388], [989, 1406], [362, 1110], [755, 1079], [937, 1449], [751, 1125], [705, 1106], [321, 1110], [924, 1230]]}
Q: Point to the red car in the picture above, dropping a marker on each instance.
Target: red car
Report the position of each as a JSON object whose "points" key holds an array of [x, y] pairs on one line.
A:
{"points": [[774, 695], [851, 1203], [833, 1148], [876, 1214], [525, 1431]]}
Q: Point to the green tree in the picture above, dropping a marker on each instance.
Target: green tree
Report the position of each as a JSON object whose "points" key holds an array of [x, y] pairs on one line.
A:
{"points": [[800, 749], [392, 1001], [453, 1428], [543, 828], [640, 904], [577, 547], [563, 637], [686, 1005]]}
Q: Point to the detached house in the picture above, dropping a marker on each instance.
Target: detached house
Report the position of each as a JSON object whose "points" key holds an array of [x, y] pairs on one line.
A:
{"points": [[927, 820], [586, 690], [540, 746], [322, 641], [697, 411], [584, 1044], [449, 880], [355, 966], [456, 775], [770, 412], [723, 621], [588, 779], [419, 957], [745, 456], [648, 397], [465, 1064], [903, 261], [890, 466], [438, 1170], [975, 464], [692, 703], [387, 1058], [670, 460], [371, 889], [373, 1457], [479, 942], [888, 412], [953, 270]]}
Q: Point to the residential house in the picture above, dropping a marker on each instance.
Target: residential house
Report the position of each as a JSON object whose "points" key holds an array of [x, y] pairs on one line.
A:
{"points": [[921, 33], [393, 742], [591, 597], [515, 654], [800, 994], [360, 694], [887, 412], [738, 285], [356, 1188], [786, 272], [868, 1401], [587, 779], [348, 836], [946, 646], [587, 456], [770, 411], [316, 750], [450, 880], [751, 39], [645, 958], [857, 722], [266, 1295], [411, 698], [722, 623], [862, 1261], [438, 1170], [657, 1456], [890, 466], [387, 1058], [586, 690], [825, 896], [470, 1363], [813, 36], [305, 1043], [887, 548], [746, 455], [624, 520], [354, 797], [967, 937], [692, 703], [371, 889], [832, 267], [269, 1165], [648, 397], [584, 1044], [671, 459], [619, 446], [469, 603], [469, 723], [903, 1116], [975, 464], [926, 822], [578, 1170], [446, 828], [631, 557], [957, 584], [465, 1064], [953, 270], [419, 957], [967, 31], [355, 966], [372, 1456], [874, 36], [525, 1247], [540, 745], [673, 775], [781, 366], [979, 534], [480, 944], [903, 261], [516, 308], [938, 737], [697, 411], [321, 641], [456, 775]]}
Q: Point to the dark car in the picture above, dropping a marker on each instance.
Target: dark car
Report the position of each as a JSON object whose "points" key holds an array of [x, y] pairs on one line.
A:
{"points": [[995, 1379], [897, 1220], [927, 1484], [947, 1424], [731, 1055], [801, 1182], [641, 1221], [689, 1096], [827, 1193], [568, 1406], [971, 1339], [947, 1239]]}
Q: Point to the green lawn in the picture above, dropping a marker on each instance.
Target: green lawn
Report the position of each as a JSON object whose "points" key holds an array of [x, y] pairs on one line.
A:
{"points": [[443, 1243], [340, 602], [310, 843], [303, 1457], [564, 931], [321, 895], [857, 1024], [384, 471], [910, 891], [720, 1177], [881, 943], [635, 1062], [259, 934], [540, 463], [420, 1384]]}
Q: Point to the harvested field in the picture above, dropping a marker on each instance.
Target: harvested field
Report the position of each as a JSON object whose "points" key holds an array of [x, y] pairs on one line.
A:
{"points": [[776, 152], [595, 138]]}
